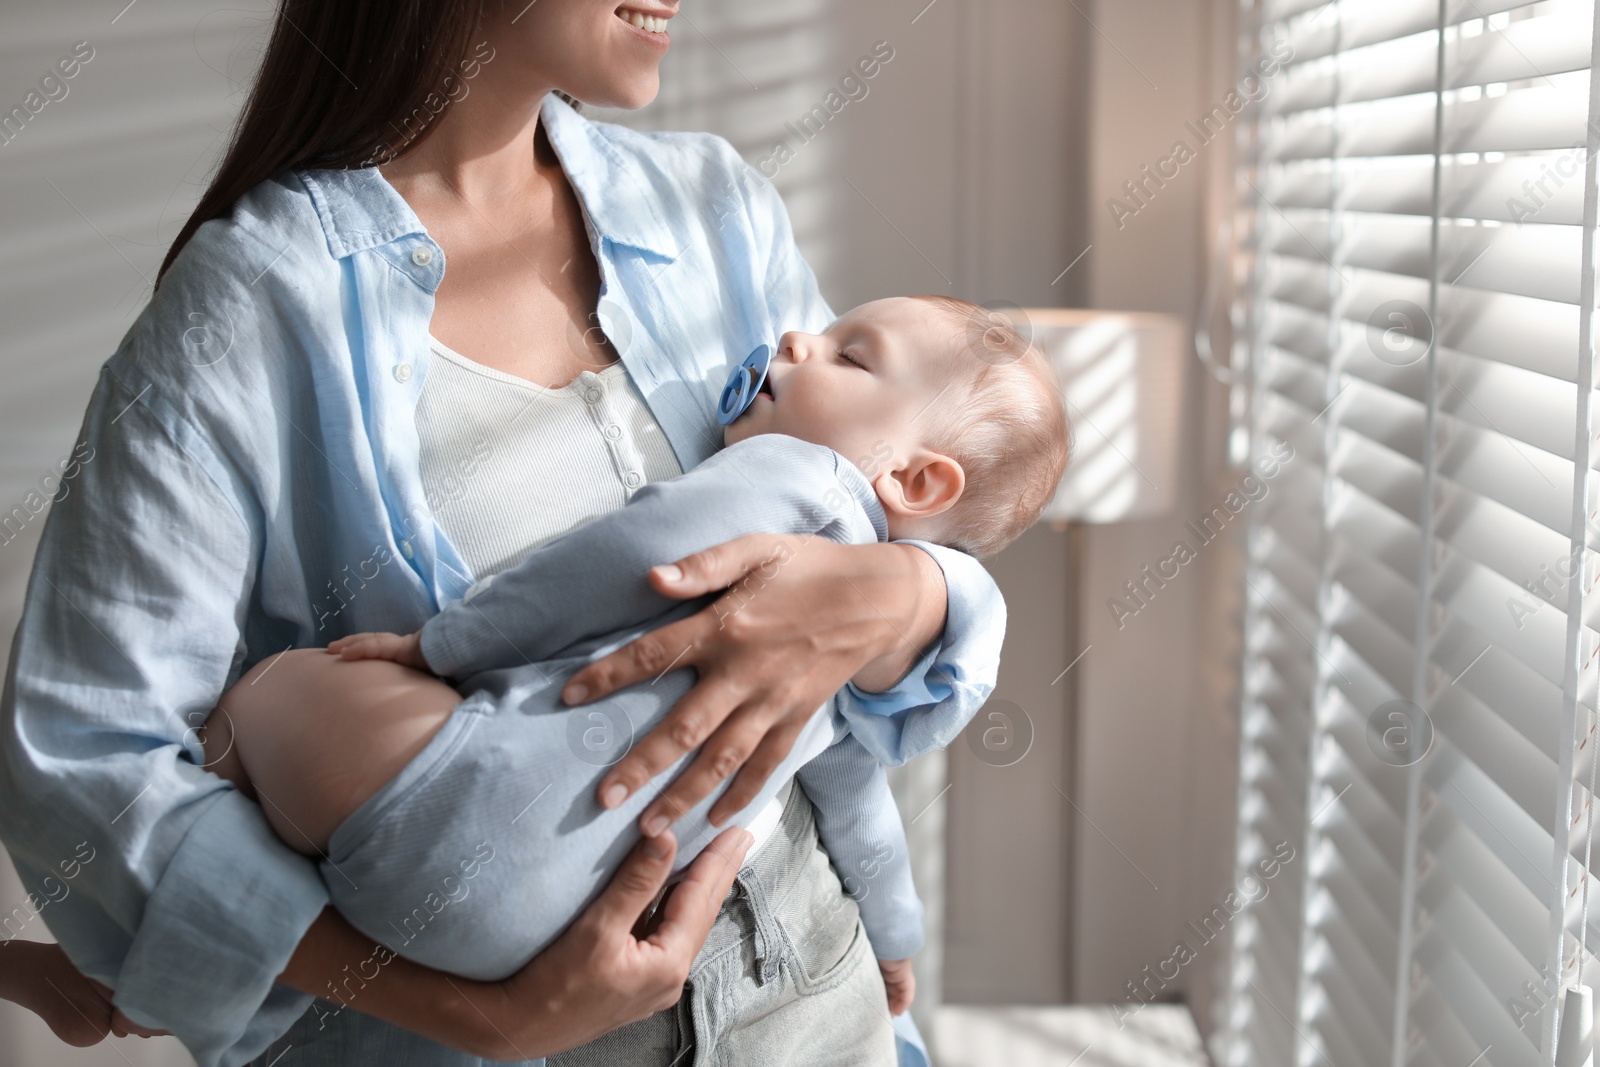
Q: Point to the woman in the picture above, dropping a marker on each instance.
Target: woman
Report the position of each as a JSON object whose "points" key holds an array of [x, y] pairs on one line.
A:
{"points": [[292, 444]]}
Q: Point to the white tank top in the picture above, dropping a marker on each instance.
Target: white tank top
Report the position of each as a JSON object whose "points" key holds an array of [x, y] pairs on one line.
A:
{"points": [[508, 465]]}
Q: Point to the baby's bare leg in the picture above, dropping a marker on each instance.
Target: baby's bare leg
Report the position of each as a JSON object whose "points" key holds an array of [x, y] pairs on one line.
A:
{"points": [[310, 736]]}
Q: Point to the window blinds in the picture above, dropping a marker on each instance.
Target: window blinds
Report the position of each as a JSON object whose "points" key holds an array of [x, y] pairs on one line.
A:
{"points": [[1415, 265]]}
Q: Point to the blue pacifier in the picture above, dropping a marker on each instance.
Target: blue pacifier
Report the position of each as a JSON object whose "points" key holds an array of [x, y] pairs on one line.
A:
{"points": [[743, 385]]}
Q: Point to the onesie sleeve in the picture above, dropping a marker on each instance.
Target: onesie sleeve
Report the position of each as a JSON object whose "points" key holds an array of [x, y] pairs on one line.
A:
{"points": [[861, 830], [592, 580]]}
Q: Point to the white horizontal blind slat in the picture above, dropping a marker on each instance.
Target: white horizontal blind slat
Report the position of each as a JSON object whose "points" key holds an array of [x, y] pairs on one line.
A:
{"points": [[1366, 22], [1553, 43]]}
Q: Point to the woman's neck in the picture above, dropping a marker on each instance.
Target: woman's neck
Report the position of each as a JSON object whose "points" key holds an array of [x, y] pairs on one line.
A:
{"points": [[481, 148]]}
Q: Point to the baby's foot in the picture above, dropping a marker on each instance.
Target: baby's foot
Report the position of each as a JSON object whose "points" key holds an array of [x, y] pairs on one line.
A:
{"points": [[39, 977]]}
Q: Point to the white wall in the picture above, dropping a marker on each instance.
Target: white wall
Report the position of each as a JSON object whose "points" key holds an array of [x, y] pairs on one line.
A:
{"points": [[1158, 710]]}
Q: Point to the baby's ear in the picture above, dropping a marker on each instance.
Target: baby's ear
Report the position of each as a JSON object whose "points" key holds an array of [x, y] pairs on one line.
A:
{"points": [[925, 485]]}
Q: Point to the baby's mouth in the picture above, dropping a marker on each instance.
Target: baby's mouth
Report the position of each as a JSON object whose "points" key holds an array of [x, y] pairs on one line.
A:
{"points": [[649, 22]]}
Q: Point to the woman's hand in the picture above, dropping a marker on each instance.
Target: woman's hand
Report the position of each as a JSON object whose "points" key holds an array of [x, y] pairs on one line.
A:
{"points": [[595, 977], [641, 976], [801, 616]]}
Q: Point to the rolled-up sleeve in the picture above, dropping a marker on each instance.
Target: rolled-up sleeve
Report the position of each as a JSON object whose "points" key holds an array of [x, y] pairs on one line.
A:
{"points": [[131, 629], [946, 687]]}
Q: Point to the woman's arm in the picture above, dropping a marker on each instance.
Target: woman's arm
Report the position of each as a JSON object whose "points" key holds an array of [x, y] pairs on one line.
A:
{"points": [[170, 886], [596, 977]]}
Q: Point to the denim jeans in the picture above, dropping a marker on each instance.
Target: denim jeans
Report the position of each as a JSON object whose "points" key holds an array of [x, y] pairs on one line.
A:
{"points": [[786, 977]]}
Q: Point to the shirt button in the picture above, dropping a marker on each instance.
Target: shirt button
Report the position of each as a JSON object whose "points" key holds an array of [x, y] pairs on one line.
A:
{"points": [[407, 550], [592, 395], [613, 432], [633, 479], [402, 373], [422, 256]]}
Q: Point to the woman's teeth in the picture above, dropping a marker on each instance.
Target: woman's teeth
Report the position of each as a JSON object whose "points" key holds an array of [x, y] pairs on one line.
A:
{"points": [[643, 22]]}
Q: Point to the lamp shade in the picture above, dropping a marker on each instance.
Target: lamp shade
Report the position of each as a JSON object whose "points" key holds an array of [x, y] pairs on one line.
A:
{"points": [[1122, 377]]}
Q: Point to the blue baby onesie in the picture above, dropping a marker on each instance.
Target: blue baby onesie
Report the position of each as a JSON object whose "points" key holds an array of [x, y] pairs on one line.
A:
{"points": [[490, 841]]}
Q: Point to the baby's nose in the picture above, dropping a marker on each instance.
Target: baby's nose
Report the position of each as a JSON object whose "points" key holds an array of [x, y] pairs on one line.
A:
{"points": [[793, 347]]}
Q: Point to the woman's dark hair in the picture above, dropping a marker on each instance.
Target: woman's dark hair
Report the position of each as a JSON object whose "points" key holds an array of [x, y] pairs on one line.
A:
{"points": [[344, 83]]}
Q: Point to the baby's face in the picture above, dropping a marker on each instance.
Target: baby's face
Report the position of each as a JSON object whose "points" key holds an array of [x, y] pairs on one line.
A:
{"points": [[861, 384]]}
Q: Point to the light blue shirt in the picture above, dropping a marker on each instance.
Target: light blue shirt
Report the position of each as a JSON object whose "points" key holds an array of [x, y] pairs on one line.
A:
{"points": [[254, 486]]}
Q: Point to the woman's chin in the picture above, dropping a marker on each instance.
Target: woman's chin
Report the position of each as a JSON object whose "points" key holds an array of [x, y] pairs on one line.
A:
{"points": [[629, 94]]}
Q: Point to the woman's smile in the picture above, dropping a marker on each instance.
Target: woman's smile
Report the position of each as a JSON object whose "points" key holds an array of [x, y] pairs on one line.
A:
{"points": [[651, 24]]}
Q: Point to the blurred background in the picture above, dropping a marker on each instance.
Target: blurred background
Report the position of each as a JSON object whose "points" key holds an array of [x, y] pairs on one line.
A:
{"points": [[1060, 861]]}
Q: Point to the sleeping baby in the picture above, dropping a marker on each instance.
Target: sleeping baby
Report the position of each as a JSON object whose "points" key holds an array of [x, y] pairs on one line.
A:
{"points": [[448, 791]]}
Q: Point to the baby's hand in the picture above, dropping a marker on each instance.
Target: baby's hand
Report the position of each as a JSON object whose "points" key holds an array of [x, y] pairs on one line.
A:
{"points": [[900, 983], [405, 650]]}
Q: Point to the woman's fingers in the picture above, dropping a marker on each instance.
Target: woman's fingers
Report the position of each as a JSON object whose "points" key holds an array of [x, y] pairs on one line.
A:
{"points": [[721, 566], [692, 906], [641, 660], [770, 752], [747, 563], [792, 628], [696, 717], [635, 885], [723, 754]]}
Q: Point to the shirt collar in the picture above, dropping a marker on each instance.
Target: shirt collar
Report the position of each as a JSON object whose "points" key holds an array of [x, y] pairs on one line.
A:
{"points": [[624, 204], [360, 210]]}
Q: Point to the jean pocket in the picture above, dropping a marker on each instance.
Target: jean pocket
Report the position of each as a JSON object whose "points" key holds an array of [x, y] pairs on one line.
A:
{"points": [[857, 951], [823, 933]]}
